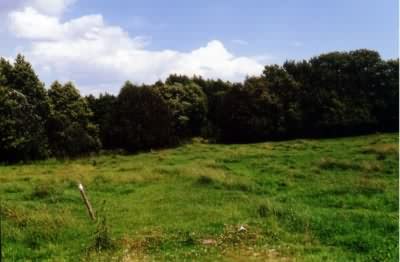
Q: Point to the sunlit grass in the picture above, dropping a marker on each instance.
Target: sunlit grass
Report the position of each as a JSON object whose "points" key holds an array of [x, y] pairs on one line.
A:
{"points": [[312, 200]]}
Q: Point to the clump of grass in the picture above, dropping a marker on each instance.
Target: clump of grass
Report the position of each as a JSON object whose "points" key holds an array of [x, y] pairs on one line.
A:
{"points": [[102, 240], [238, 185], [129, 169], [38, 234], [126, 191], [371, 166], [187, 238], [335, 164], [100, 180], [43, 227], [330, 163], [138, 249], [370, 187], [168, 170], [205, 180], [14, 214], [14, 189], [382, 150], [45, 190], [234, 236], [225, 183], [265, 209], [199, 140]]}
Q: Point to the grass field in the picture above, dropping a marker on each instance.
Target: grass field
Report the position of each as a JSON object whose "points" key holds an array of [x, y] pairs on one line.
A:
{"points": [[303, 200]]}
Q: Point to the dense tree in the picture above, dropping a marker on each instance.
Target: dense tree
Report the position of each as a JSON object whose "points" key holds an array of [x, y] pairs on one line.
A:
{"points": [[20, 139], [174, 78], [248, 113], [6, 73], [188, 105], [284, 90], [70, 131], [21, 77], [265, 107], [215, 90], [338, 92], [25, 109], [386, 96], [333, 94], [102, 108], [142, 119]]}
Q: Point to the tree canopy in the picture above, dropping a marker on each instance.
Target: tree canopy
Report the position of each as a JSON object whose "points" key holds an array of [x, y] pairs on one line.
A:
{"points": [[70, 129], [333, 94]]}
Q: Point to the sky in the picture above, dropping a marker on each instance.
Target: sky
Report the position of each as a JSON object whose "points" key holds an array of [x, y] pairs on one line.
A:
{"points": [[100, 44]]}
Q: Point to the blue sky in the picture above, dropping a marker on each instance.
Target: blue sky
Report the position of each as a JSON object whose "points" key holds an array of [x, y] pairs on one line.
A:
{"points": [[215, 38], [286, 28]]}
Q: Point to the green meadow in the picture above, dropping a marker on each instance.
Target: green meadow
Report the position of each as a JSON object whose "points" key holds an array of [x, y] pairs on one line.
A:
{"points": [[298, 200]]}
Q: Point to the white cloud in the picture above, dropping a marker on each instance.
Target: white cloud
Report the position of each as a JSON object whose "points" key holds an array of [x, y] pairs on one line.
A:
{"points": [[48, 7], [51, 7], [97, 56], [33, 25]]}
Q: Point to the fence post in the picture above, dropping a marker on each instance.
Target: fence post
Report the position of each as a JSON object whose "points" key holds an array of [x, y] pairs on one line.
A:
{"points": [[86, 201]]}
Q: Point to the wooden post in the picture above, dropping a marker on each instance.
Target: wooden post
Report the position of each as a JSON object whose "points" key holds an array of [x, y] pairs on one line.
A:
{"points": [[86, 201]]}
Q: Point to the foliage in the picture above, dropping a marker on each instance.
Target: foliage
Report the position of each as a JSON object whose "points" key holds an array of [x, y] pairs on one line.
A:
{"points": [[264, 107], [247, 114], [333, 94], [188, 105], [174, 79], [142, 119], [215, 91], [342, 91], [19, 131], [103, 108], [70, 130], [24, 109]]}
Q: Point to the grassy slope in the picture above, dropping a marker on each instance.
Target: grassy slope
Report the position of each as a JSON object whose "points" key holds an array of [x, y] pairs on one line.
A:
{"points": [[312, 200]]}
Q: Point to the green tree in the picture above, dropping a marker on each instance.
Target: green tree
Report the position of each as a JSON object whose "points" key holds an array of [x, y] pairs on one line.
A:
{"points": [[25, 80], [103, 109], [174, 78], [19, 139], [188, 104], [342, 89], [248, 114], [142, 119], [265, 107], [70, 130], [31, 141], [215, 90], [346, 93], [285, 91], [386, 95]]}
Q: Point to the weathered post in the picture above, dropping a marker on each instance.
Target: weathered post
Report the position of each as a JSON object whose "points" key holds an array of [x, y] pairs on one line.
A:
{"points": [[86, 201]]}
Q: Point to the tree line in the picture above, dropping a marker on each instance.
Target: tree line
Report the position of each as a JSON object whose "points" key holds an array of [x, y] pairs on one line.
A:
{"points": [[333, 94]]}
